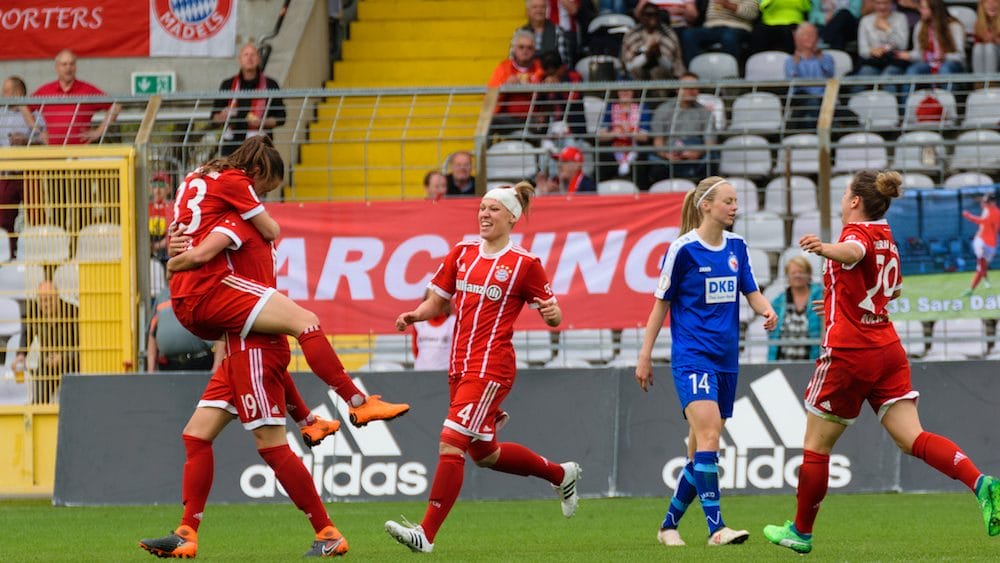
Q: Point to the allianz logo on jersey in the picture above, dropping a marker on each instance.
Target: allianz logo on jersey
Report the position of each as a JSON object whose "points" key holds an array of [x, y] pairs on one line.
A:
{"points": [[354, 462], [759, 457]]}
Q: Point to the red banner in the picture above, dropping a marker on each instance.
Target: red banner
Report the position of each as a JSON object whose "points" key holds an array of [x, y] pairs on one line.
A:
{"points": [[39, 29], [359, 265]]}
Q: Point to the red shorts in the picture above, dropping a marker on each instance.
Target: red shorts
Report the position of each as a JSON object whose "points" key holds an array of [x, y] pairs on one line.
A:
{"points": [[846, 377], [475, 404], [231, 306], [252, 378]]}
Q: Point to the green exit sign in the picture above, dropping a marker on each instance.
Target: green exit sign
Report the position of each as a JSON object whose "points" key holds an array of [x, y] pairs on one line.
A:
{"points": [[154, 82]]}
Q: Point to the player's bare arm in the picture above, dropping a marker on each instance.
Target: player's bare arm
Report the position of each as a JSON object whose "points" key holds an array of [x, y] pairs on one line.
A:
{"points": [[762, 307], [843, 252], [431, 307], [266, 225], [644, 366], [195, 257]]}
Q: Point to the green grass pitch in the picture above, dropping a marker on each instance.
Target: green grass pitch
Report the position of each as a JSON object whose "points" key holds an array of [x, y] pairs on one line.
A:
{"points": [[878, 527], [928, 297]]}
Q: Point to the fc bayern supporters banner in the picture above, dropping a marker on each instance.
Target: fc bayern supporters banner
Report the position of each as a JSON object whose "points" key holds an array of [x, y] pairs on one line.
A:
{"points": [[192, 28], [359, 265], [39, 29]]}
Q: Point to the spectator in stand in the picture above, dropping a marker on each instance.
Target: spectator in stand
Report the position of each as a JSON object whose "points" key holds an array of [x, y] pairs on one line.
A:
{"points": [[460, 178], [777, 23], [53, 322], [938, 42], [518, 68], [728, 23], [70, 123], [573, 16], [683, 14], [171, 347], [565, 108], [651, 50], [18, 124], [837, 21], [807, 62], [676, 125], [548, 36], [435, 185], [244, 117], [797, 319], [882, 35], [161, 214], [617, 6], [625, 127], [570, 178], [986, 50]]}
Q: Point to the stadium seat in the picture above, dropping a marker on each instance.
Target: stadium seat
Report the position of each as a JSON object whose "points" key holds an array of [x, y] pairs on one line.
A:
{"points": [[755, 343], [631, 344], [856, 151], [977, 150], [766, 66], [921, 151], [756, 112], [792, 251], [616, 187], [593, 111], [842, 62], [746, 193], [966, 15], [764, 230], [838, 184], [982, 109], [67, 280], [804, 157], [560, 361], [803, 192], [809, 223], [511, 160], [4, 246], [672, 185], [100, 242], [583, 65], [382, 366], [43, 244], [745, 155], [590, 345], [761, 264], [395, 348], [20, 281], [956, 339], [611, 21], [715, 105], [917, 181], [948, 109], [10, 317], [876, 109], [533, 346], [968, 180], [714, 66]]}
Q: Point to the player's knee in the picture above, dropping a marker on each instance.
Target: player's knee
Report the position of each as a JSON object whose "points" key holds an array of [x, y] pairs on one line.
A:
{"points": [[448, 449]]}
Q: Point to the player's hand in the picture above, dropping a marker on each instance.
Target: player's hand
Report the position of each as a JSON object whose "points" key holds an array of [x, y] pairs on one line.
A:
{"points": [[817, 307], [548, 309], [811, 243], [178, 244], [770, 320], [405, 320], [644, 373]]}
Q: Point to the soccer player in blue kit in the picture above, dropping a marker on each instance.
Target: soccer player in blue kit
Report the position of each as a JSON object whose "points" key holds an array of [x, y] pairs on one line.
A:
{"points": [[703, 273]]}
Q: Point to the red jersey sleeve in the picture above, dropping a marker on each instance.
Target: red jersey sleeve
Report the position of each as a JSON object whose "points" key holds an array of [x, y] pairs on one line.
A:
{"points": [[237, 190], [536, 284], [235, 228], [443, 281]]}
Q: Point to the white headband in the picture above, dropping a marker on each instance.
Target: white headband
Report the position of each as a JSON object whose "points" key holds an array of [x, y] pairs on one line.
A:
{"points": [[508, 197], [709, 190]]}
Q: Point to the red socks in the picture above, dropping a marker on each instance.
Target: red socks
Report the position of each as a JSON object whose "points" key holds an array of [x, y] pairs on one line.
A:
{"points": [[444, 492], [982, 267], [814, 475], [199, 468], [325, 363], [519, 460], [942, 454], [294, 404], [297, 483]]}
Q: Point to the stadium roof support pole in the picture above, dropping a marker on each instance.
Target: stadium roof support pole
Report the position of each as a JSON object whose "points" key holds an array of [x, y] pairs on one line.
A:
{"points": [[482, 131], [823, 126], [141, 237]]}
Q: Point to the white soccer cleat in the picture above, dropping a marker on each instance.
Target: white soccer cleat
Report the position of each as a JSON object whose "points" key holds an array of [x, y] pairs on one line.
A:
{"points": [[669, 537], [728, 536], [567, 489], [411, 536]]}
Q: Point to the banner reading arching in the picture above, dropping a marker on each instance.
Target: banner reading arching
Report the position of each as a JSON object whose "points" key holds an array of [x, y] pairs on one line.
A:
{"points": [[358, 265]]}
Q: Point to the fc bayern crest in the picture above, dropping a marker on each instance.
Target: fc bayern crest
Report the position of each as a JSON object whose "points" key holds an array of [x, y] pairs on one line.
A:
{"points": [[502, 274], [193, 20], [734, 264]]}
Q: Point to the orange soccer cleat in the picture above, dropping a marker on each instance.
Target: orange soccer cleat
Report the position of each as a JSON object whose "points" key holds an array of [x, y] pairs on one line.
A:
{"points": [[313, 434], [374, 408], [182, 543], [329, 542]]}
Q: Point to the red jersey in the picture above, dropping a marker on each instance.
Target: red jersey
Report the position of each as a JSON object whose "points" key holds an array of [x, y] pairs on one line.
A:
{"points": [[989, 224], [857, 295], [489, 291], [67, 122], [202, 205]]}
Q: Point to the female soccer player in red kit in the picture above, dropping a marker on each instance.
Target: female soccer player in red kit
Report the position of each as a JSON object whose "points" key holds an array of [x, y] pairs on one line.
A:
{"points": [[488, 282], [984, 244], [212, 300], [864, 361]]}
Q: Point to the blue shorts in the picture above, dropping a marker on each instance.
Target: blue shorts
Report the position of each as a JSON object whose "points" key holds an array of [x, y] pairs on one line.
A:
{"points": [[700, 385]]}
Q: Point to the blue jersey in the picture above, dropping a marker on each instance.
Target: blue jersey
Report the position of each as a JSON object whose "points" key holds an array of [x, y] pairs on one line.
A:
{"points": [[702, 284]]}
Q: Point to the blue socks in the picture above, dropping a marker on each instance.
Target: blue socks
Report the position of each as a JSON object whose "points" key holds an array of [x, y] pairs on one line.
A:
{"points": [[706, 480], [683, 495]]}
